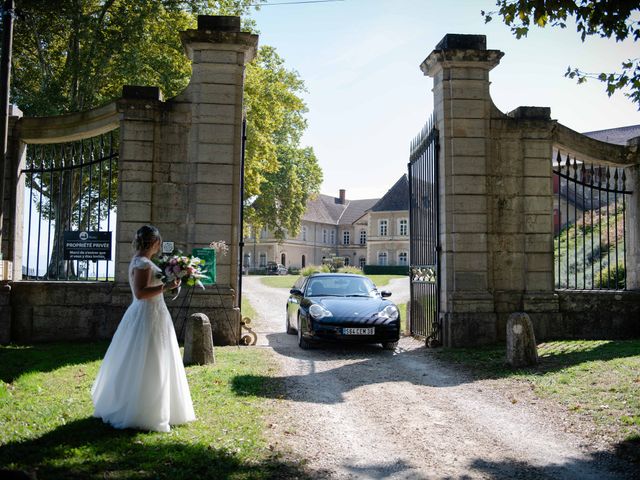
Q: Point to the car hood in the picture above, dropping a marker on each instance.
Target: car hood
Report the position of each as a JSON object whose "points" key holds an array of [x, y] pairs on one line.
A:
{"points": [[352, 307]]}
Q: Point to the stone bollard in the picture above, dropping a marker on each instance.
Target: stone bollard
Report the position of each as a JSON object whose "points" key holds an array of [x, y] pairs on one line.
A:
{"points": [[198, 341], [521, 341]]}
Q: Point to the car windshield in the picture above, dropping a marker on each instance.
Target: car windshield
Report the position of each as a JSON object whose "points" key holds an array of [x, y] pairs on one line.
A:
{"points": [[340, 287]]}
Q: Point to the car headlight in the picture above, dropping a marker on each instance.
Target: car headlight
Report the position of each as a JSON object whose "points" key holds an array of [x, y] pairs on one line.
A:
{"points": [[318, 311], [390, 312]]}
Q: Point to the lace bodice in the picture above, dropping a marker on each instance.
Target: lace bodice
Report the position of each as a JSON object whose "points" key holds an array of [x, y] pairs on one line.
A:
{"points": [[144, 263]]}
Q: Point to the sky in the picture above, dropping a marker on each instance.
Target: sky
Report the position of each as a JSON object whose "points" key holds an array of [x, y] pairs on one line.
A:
{"points": [[367, 97]]}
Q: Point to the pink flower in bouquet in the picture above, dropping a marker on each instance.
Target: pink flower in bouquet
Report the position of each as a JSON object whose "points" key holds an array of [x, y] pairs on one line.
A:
{"points": [[186, 268]]}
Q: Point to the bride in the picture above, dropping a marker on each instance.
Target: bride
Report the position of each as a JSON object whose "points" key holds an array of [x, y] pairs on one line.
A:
{"points": [[142, 383]]}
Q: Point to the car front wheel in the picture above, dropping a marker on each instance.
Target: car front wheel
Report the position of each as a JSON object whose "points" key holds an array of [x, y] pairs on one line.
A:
{"points": [[389, 345], [303, 343], [290, 329]]}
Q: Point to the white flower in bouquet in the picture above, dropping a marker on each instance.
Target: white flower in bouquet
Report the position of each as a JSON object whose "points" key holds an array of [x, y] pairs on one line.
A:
{"points": [[220, 247]]}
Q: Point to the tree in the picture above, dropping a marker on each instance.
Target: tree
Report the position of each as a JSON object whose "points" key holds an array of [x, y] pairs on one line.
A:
{"points": [[73, 55], [280, 175], [606, 18]]}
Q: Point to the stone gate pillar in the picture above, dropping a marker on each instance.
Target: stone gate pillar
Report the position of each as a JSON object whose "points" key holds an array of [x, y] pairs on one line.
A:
{"points": [[180, 162], [496, 200], [460, 66], [633, 222], [13, 203]]}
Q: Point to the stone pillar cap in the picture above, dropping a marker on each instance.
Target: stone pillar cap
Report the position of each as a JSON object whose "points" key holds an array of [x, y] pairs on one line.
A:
{"points": [[531, 113], [219, 23], [461, 50], [137, 92], [219, 31], [459, 41]]}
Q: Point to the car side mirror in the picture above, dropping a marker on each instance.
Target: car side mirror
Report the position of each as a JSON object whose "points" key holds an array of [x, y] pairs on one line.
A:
{"points": [[385, 293], [295, 291]]}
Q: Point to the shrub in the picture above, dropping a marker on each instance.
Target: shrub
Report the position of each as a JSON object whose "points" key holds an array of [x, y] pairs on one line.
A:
{"points": [[306, 271], [350, 269], [613, 276]]}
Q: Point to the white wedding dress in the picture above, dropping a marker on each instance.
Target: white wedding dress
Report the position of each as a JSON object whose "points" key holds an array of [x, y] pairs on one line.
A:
{"points": [[142, 382]]}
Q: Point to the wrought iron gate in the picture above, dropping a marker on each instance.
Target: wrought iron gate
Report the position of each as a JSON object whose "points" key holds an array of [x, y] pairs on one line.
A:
{"points": [[424, 235], [71, 187]]}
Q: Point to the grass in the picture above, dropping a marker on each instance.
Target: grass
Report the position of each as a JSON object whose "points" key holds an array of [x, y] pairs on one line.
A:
{"points": [[247, 309], [287, 281], [598, 379], [279, 281], [586, 252], [402, 308], [46, 422]]}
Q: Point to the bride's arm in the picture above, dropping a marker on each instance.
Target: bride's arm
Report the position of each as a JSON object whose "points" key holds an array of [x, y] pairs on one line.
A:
{"points": [[141, 287]]}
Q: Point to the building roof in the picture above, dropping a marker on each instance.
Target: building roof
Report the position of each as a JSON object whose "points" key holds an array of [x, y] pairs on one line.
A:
{"points": [[331, 210], [328, 209], [618, 136], [396, 198]]}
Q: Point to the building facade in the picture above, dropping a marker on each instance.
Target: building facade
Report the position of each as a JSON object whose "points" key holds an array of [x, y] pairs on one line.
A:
{"points": [[363, 232]]}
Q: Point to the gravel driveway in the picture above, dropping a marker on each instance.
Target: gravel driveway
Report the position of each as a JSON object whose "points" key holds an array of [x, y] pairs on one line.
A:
{"points": [[365, 413]]}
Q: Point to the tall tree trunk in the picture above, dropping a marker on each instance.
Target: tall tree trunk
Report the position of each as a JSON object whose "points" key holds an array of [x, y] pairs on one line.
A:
{"points": [[62, 203]]}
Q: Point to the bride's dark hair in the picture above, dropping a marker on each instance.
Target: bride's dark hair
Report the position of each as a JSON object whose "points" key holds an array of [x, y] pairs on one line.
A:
{"points": [[146, 236]]}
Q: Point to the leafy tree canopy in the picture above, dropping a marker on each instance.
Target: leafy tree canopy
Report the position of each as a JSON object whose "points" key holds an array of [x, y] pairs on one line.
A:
{"points": [[73, 55], [280, 175], [617, 19]]}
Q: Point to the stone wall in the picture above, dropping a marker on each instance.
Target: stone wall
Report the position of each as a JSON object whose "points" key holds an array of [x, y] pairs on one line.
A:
{"points": [[61, 311], [598, 315], [496, 204]]}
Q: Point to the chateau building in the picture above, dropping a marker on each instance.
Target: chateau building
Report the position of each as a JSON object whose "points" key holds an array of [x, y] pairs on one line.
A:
{"points": [[363, 232]]}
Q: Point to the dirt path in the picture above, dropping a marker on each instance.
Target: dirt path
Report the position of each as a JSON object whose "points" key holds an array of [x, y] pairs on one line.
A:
{"points": [[361, 412]]}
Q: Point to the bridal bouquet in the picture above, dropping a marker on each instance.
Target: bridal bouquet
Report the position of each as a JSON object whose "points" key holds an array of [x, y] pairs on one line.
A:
{"points": [[185, 267]]}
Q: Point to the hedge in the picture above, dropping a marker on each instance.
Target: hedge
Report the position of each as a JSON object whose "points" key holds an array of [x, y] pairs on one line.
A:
{"points": [[386, 270]]}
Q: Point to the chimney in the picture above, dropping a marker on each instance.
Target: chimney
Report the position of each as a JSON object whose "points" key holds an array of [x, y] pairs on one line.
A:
{"points": [[343, 195]]}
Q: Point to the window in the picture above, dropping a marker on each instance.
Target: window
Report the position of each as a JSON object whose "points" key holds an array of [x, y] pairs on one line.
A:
{"points": [[363, 262], [382, 258], [383, 227], [247, 260], [304, 233], [403, 227], [263, 232], [346, 261], [363, 237], [263, 260], [346, 237], [333, 237], [304, 261], [324, 236], [403, 258]]}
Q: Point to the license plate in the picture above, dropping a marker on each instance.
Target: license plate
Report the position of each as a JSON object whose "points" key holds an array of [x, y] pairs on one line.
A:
{"points": [[359, 331]]}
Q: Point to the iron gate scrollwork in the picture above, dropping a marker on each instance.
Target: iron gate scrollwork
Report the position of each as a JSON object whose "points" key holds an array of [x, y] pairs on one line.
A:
{"points": [[424, 235]]}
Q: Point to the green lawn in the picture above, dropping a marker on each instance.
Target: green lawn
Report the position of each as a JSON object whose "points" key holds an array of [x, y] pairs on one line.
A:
{"points": [[402, 308], [46, 420], [247, 309], [287, 281], [595, 378]]}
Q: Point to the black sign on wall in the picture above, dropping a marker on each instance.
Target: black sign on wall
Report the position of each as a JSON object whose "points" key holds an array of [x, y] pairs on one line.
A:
{"points": [[87, 245]]}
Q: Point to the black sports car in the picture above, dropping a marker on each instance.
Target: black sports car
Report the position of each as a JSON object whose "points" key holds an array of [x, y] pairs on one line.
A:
{"points": [[341, 306]]}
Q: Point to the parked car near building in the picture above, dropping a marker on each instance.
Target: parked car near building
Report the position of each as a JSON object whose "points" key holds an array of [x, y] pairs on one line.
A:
{"points": [[344, 307], [274, 268]]}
